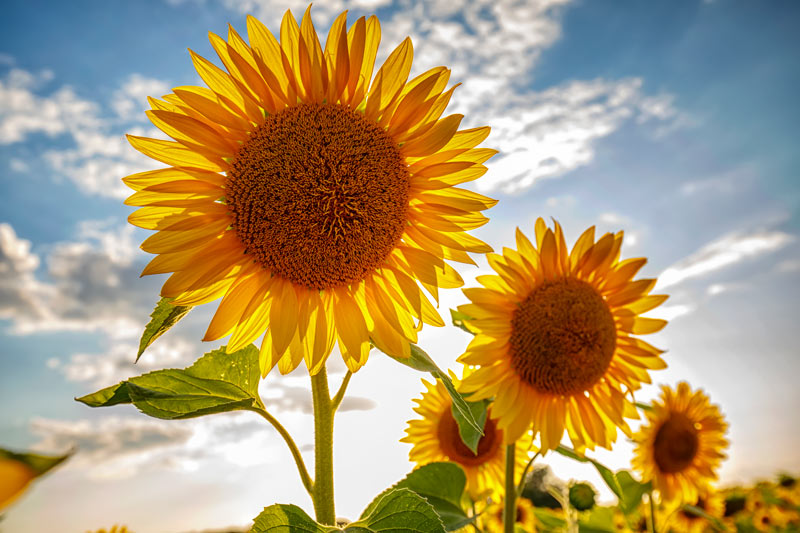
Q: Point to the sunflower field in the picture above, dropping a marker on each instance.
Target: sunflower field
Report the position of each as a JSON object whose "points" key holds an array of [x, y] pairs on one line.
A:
{"points": [[316, 201]]}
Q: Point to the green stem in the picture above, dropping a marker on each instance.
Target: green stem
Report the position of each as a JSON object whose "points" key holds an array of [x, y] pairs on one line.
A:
{"points": [[652, 523], [521, 485], [337, 400], [510, 499], [323, 449], [298, 458]]}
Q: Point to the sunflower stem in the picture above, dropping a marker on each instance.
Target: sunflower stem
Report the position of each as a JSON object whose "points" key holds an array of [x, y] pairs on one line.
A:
{"points": [[652, 524], [323, 449], [298, 458], [510, 499]]}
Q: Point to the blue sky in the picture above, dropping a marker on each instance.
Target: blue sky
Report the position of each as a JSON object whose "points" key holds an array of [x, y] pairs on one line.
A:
{"points": [[675, 121]]}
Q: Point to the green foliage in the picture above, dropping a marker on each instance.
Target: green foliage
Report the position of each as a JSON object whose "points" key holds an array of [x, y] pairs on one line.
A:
{"points": [[458, 320], [598, 520], [215, 383], [627, 490], [396, 510], [468, 426], [163, 317], [40, 464], [691, 509], [469, 436], [442, 485]]}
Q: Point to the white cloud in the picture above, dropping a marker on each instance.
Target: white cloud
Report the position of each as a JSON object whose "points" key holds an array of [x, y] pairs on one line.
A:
{"points": [[100, 155], [87, 286], [788, 266], [671, 312], [131, 98], [18, 165], [120, 447], [726, 251]]}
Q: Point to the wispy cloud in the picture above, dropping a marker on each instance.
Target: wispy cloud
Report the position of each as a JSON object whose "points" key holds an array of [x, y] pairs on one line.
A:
{"points": [[88, 286], [724, 252]]}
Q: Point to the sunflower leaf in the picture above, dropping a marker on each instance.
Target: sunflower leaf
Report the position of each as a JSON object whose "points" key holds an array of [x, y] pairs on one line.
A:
{"points": [[467, 423], [442, 485], [398, 510], [632, 491], [598, 520], [163, 317], [215, 383], [459, 320], [469, 436], [717, 524], [287, 519]]}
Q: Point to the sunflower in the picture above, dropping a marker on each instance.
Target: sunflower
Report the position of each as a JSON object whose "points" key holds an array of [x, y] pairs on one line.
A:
{"points": [[682, 444], [492, 518], [712, 503], [312, 197], [435, 437], [553, 337], [15, 477]]}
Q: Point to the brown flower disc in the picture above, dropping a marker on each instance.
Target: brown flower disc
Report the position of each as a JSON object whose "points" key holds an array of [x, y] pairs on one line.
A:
{"points": [[563, 337], [319, 195], [676, 444], [455, 449]]}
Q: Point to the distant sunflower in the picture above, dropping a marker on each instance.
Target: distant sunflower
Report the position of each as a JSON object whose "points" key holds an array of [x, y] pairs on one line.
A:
{"points": [[712, 503], [492, 519], [435, 437], [310, 200], [553, 337], [682, 444]]}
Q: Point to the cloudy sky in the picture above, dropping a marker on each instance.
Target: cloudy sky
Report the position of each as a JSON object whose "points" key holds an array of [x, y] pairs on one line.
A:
{"points": [[674, 121]]}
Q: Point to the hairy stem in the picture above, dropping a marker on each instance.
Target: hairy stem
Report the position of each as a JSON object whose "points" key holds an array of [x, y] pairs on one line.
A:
{"points": [[323, 449], [652, 524], [510, 498], [298, 458], [337, 400]]}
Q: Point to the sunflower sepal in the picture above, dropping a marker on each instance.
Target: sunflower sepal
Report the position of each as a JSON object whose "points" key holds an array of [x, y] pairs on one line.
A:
{"points": [[460, 319], [19, 469], [164, 316], [469, 427], [215, 383]]}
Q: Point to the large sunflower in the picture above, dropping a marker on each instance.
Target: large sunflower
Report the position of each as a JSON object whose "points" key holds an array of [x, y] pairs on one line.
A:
{"points": [[553, 337], [307, 198], [681, 446], [435, 437]]}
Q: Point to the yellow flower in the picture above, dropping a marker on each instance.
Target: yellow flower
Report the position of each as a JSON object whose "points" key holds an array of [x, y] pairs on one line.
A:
{"points": [[554, 337], [114, 529], [492, 518], [712, 503], [435, 437], [682, 444], [309, 195], [15, 476]]}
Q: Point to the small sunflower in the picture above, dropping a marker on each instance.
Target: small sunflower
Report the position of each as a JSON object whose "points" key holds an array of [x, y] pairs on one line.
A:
{"points": [[492, 518], [682, 444], [435, 437], [312, 197], [554, 337], [712, 503]]}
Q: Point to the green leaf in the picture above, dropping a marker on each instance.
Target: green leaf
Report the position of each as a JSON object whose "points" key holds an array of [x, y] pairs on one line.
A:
{"points": [[548, 519], [458, 320], [598, 520], [442, 485], [605, 472], [398, 510], [469, 436], [215, 383], [644, 406], [163, 317], [419, 360], [40, 464], [632, 491], [286, 519]]}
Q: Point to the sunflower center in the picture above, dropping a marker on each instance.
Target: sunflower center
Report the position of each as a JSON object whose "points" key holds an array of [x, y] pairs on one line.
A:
{"points": [[455, 449], [318, 195], [676, 444], [563, 337]]}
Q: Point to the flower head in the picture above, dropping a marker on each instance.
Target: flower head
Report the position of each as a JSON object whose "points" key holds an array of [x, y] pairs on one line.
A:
{"points": [[682, 444], [311, 196], [554, 337], [436, 437]]}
